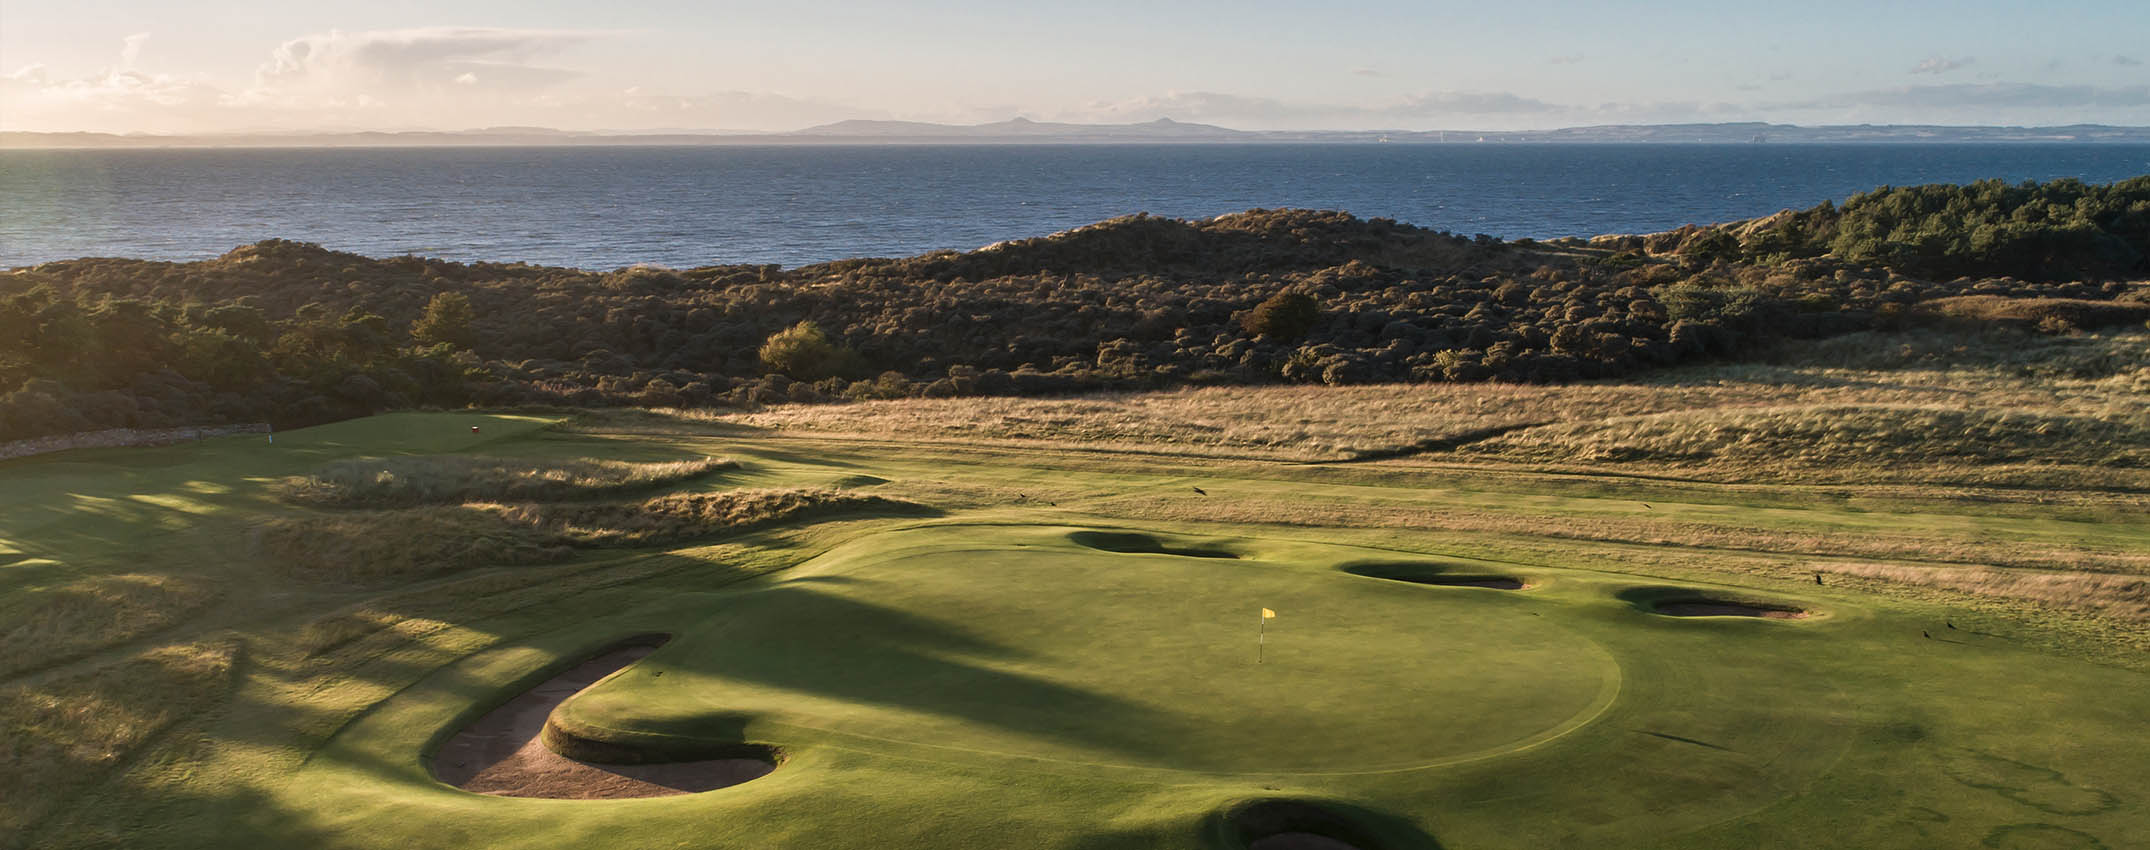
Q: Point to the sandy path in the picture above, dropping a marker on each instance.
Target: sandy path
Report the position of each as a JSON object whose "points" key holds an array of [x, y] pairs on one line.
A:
{"points": [[501, 754]]}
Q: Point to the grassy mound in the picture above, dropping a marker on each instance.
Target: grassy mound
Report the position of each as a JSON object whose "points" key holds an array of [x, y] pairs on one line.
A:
{"points": [[398, 482], [82, 615], [373, 546], [67, 733]]}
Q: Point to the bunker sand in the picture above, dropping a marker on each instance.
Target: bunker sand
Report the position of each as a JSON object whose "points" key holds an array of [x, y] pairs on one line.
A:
{"points": [[503, 754]]}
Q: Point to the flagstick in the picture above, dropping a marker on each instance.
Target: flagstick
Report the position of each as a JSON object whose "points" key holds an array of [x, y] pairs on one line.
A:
{"points": [[1261, 641]]}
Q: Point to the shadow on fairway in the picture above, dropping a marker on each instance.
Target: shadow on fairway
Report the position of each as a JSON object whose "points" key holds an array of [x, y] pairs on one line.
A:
{"points": [[816, 642], [1133, 543], [1286, 824], [1434, 573], [1693, 602]]}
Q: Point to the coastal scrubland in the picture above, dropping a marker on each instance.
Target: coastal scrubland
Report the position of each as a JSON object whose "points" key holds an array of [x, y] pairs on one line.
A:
{"points": [[294, 334]]}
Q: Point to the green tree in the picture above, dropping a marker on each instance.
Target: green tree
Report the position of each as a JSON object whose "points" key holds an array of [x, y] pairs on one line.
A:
{"points": [[446, 321], [803, 352]]}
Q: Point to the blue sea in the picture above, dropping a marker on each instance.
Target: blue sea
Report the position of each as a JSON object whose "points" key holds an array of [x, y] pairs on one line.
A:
{"points": [[688, 206]]}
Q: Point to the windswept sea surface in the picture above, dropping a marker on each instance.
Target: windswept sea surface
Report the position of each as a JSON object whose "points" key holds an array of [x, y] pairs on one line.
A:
{"points": [[609, 207]]}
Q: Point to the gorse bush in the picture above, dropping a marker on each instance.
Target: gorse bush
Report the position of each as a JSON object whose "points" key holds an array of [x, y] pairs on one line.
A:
{"points": [[1283, 316], [803, 352]]}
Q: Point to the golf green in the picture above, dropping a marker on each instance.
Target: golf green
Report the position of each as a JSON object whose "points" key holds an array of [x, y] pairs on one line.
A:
{"points": [[1011, 641]]}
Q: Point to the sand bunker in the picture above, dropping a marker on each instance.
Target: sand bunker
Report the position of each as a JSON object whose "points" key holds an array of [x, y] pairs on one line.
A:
{"points": [[1427, 572], [1702, 607], [1295, 825], [502, 753], [1131, 543], [1298, 841]]}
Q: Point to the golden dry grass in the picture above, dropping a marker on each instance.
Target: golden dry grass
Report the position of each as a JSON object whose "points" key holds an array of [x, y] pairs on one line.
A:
{"points": [[69, 732], [2120, 597], [1833, 442], [366, 547], [48, 626], [1948, 402], [396, 482]]}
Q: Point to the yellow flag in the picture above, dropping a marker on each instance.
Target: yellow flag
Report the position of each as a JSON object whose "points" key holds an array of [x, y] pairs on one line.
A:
{"points": [[1268, 614]]}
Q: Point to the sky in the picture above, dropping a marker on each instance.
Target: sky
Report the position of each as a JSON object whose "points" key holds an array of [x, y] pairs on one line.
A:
{"points": [[210, 66]]}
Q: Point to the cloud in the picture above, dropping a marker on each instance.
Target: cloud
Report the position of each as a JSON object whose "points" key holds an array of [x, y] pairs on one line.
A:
{"points": [[130, 50], [1940, 64], [1569, 59], [120, 90], [1469, 103], [2127, 61], [1984, 96], [1368, 71], [438, 78], [388, 65]]}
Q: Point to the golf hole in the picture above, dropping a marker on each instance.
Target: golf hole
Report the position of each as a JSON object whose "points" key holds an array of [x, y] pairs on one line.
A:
{"points": [[513, 750], [1132, 543], [1435, 573]]}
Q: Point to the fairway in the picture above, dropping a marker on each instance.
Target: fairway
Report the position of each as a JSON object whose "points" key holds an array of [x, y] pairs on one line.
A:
{"points": [[1047, 661]]}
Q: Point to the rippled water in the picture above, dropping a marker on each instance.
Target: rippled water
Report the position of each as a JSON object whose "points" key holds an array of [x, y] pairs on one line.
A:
{"points": [[608, 207]]}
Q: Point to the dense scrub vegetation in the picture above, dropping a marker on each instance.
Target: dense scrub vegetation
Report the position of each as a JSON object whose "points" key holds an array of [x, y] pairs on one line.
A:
{"points": [[295, 334]]}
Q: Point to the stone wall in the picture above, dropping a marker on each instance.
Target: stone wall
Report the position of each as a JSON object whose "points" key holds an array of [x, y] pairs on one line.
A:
{"points": [[118, 437]]}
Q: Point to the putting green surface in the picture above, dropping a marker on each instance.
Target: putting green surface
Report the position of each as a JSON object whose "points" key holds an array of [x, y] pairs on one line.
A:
{"points": [[1013, 641]]}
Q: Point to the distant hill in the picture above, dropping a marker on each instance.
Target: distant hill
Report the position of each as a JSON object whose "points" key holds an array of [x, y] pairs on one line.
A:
{"points": [[1024, 128], [1162, 130]]}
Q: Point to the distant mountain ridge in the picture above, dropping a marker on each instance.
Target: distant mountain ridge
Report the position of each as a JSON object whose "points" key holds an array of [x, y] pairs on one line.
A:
{"points": [[1162, 130]]}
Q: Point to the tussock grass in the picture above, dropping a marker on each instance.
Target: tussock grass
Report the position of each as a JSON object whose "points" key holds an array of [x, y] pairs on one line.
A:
{"points": [[397, 482], [374, 546], [48, 626], [67, 733], [2121, 597], [688, 516], [1993, 408], [1847, 437]]}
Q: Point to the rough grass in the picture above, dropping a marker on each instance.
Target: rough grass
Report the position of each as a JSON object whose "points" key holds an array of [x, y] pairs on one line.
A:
{"points": [[397, 482], [64, 734], [2050, 314], [1976, 392], [48, 626], [373, 546], [2117, 596], [1859, 442]]}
